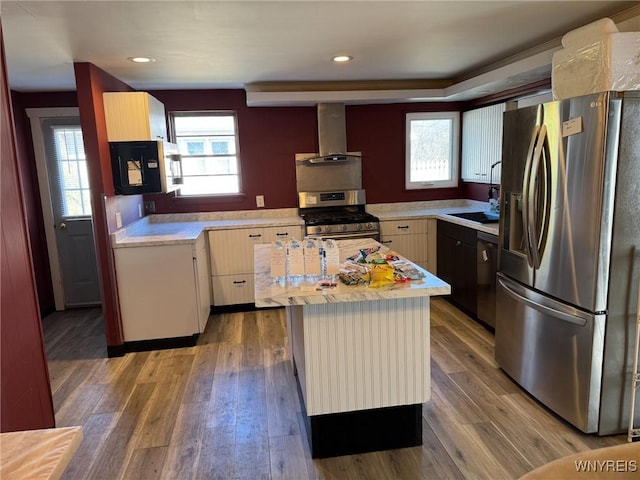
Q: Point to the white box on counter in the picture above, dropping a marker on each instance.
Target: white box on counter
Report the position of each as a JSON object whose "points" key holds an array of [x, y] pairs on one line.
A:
{"points": [[610, 62], [312, 259], [295, 258]]}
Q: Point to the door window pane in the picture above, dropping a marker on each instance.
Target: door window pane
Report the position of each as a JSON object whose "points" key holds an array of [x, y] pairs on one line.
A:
{"points": [[73, 179]]}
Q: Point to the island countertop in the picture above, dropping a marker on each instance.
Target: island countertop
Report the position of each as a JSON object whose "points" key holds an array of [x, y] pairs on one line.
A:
{"points": [[269, 293]]}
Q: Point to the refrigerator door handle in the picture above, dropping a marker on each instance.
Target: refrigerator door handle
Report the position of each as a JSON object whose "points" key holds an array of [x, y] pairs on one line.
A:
{"points": [[532, 203], [526, 194], [543, 304]]}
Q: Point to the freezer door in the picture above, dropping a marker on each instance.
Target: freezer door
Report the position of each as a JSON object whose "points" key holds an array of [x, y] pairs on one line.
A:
{"points": [[552, 350]]}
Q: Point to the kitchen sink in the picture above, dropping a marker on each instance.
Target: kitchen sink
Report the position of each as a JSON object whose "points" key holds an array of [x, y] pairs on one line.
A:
{"points": [[480, 217]]}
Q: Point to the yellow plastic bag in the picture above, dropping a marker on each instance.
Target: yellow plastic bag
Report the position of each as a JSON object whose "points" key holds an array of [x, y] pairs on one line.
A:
{"points": [[381, 275]]}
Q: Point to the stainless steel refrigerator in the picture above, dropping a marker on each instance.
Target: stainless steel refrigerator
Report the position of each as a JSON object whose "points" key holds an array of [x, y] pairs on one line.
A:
{"points": [[569, 261]]}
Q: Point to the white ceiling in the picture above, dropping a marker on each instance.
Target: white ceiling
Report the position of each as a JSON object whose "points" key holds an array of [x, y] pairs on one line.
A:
{"points": [[476, 46]]}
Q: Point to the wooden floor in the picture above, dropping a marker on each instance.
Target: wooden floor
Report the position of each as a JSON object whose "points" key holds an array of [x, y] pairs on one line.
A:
{"points": [[228, 408]]}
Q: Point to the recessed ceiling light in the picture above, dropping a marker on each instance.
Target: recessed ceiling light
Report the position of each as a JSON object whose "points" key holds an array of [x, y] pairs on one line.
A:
{"points": [[342, 58], [141, 59]]}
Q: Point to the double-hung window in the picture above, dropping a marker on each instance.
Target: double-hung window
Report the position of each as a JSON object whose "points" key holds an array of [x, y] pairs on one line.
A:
{"points": [[432, 149], [208, 143]]}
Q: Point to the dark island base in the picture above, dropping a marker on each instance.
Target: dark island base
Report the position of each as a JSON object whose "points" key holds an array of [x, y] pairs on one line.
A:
{"points": [[148, 345], [362, 431]]}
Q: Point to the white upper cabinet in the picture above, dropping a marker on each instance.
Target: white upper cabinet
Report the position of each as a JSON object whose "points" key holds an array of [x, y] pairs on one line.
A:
{"points": [[133, 116], [482, 143]]}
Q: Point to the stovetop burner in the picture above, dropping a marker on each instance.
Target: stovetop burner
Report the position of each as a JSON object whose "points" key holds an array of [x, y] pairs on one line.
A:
{"points": [[335, 216], [340, 222]]}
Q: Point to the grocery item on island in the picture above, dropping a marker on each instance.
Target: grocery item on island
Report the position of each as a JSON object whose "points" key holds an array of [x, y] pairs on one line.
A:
{"points": [[352, 273]]}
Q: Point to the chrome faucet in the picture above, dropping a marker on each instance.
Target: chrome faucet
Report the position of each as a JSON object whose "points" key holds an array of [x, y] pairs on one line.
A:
{"points": [[494, 191]]}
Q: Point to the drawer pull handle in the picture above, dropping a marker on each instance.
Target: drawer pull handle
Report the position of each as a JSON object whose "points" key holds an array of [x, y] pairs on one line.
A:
{"points": [[386, 241], [257, 235], [237, 282], [403, 227], [282, 234]]}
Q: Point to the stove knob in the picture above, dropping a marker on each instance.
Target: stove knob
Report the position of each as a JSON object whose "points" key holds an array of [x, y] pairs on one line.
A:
{"points": [[327, 228], [369, 226], [359, 226], [344, 228]]}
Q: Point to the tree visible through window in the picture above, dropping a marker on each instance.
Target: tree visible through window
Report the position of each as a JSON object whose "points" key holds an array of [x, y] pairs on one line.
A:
{"points": [[432, 150], [208, 144]]}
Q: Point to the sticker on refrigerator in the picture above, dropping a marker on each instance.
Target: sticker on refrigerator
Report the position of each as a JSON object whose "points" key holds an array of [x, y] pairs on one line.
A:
{"points": [[571, 127]]}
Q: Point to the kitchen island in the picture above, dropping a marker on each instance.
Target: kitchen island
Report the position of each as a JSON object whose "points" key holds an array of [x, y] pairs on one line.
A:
{"points": [[360, 354]]}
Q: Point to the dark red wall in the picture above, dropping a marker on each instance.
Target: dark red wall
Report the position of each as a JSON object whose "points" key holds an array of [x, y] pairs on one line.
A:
{"points": [[25, 393], [269, 139], [378, 131], [271, 136], [476, 191]]}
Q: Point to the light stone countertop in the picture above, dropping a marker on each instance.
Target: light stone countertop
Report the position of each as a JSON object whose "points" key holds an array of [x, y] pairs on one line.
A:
{"points": [[168, 229], [38, 454], [439, 209], [171, 229], [270, 293]]}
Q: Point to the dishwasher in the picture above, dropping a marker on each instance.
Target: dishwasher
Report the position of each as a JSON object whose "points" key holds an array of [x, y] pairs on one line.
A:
{"points": [[487, 266]]}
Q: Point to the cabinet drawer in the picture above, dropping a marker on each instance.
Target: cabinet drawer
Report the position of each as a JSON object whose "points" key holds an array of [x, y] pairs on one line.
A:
{"points": [[403, 227], [282, 233], [412, 247], [232, 289], [458, 232]]}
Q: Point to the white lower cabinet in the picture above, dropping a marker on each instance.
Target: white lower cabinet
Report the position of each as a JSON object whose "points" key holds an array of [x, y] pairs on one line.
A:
{"points": [[232, 289], [231, 254], [203, 275], [410, 238], [163, 290]]}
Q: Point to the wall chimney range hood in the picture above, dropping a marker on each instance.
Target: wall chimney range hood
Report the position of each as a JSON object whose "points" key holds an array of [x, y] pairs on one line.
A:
{"points": [[332, 135]]}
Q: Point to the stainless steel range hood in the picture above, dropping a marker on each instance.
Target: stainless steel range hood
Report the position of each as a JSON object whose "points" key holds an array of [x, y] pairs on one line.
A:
{"points": [[332, 134], [333, 168]]}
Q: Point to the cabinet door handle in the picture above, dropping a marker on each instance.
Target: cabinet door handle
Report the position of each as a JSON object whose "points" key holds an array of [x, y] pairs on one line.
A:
{"points": [[458, 243], [386, 241], [282, 234], [256, 235], [239, 282], [403, 227]]}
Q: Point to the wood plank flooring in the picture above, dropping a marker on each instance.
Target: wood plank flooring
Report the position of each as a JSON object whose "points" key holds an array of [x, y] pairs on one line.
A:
{"points": [[228, 408]]}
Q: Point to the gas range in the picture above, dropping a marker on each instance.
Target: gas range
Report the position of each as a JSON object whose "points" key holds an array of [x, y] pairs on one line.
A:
{"points": [[337, 215]]}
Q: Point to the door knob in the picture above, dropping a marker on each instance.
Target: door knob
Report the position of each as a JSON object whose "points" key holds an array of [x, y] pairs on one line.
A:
{"points": [[62, 226]]}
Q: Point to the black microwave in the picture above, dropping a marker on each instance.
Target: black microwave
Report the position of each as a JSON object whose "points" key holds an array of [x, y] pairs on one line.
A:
{"points": [[153, 166]]}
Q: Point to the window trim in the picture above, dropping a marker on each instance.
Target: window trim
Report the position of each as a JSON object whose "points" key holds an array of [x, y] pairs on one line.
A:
{"points": [[207, 113], [453, 180]]}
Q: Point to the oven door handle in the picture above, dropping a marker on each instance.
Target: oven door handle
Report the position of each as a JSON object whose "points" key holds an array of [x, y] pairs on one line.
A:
{"points": [[344, 236]]}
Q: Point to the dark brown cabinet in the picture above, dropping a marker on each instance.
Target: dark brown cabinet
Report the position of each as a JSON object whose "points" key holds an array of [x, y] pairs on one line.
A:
{"points": [[457, 263]]}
